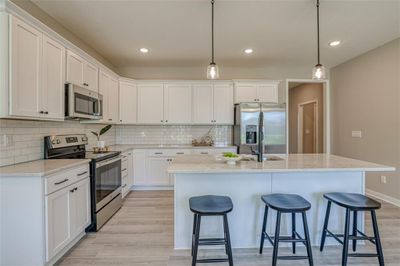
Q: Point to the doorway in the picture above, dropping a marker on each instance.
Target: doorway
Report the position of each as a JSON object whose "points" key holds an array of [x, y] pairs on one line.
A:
{"points": [[307, 128], [308, 116]]}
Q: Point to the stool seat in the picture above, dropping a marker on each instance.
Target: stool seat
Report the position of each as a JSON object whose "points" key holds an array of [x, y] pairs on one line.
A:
{"points": [[210, 205], [353, 201], [286, 202]]}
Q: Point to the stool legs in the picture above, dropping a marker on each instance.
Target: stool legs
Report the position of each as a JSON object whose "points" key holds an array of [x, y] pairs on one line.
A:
{"points": [[263, 229], [307, 237], [276, 240], [294, 232], [196, 240], [377, 239], [346, 238], [323, 237], [194, 231], [354, 230], [228, 246]]}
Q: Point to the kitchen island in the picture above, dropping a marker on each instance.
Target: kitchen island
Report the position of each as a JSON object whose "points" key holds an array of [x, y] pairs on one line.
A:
{"points": [[309, 175]]}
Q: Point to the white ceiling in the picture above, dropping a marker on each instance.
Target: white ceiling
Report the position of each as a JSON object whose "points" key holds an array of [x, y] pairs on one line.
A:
{"points": [[178, 32]]}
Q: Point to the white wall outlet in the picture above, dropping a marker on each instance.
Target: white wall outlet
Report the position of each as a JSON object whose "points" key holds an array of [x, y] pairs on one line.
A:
{"points": [[356, 134], [383, 179]]}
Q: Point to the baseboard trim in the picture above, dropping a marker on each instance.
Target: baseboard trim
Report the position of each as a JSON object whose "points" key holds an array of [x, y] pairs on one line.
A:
{"points": [[383, 197], [137, 188]]}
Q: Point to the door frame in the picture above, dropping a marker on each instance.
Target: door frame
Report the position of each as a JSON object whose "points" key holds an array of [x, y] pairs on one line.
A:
{"points": [[326, 111], [300, 125]]}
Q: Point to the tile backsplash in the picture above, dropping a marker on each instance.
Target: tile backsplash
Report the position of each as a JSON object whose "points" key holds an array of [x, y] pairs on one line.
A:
{"points": [[22, 141], [179, 134]]}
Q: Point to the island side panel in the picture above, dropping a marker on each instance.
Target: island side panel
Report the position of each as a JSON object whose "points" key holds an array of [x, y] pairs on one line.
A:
{"points": [[312, 186], [245, 220]]}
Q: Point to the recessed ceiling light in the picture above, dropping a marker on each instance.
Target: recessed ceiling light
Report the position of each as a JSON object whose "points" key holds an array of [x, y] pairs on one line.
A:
{"points": [[248, 51], [334, 43], [144, 50]]}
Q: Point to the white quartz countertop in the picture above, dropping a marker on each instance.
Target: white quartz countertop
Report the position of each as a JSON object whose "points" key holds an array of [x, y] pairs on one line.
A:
{"points": [[290, 163], [127, 147], [40, 168]]}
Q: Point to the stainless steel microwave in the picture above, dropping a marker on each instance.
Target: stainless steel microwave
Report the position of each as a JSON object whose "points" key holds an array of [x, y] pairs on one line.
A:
{"points": [[81, 103]]}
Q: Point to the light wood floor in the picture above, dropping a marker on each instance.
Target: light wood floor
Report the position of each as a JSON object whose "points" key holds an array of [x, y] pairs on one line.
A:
{"points": [[141, 233]]}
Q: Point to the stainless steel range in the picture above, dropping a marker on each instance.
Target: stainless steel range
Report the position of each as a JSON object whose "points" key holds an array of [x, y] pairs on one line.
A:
{"points": [[105, 174]]}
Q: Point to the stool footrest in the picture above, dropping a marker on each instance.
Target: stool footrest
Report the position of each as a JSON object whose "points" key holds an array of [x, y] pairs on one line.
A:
{"points": [[292, 257], [363, 255], [212, 260], [212, 241], [289, 239], [351, 237]]}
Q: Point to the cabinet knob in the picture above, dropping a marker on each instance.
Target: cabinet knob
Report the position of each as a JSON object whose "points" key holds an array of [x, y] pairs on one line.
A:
{"points": [[41, 112], [85, 84], [162, 120], [46, 113], [109, 119]]}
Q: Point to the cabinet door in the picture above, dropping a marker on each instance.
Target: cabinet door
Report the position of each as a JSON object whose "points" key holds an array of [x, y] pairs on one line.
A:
{"points": [[245, 93], [223, 104], [113, 96], [58, 221], [53, 78], [157, 171], [178, 103], [104, 88], [139, 167], [127, 103], [26, 53], [203, 104], [267, 93], [130, 170], [150, 103], [90, 77], [80, 207], [75, 68]]}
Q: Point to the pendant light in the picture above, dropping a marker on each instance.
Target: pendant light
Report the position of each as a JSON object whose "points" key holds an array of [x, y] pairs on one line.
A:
{"points": [[319, 69], [212, 69]]}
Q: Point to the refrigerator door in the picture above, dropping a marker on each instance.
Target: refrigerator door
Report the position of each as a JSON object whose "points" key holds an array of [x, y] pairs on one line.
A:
{"points": [[249, 113], [274, 128]]}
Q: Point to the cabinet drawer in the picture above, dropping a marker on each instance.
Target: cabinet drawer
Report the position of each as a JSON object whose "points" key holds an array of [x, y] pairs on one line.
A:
{"points": [[124, 165], [124, 186], [124, 172], [63, 179], [168, 152], [213, 151]]}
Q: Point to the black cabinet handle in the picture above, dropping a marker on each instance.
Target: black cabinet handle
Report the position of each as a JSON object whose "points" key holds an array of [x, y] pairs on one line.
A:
{"points": [[124, 169], [46, 113], [65, 180], [124, 186], [41, 112], [158, 153], [180, 153], [81, 174]]}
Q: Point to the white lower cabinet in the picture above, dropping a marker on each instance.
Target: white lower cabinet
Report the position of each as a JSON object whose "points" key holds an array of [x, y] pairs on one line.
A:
{"points": [[157, 171], [126, 173], [47, 218]]}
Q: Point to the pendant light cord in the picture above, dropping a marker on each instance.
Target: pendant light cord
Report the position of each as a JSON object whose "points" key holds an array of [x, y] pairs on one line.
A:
{"points": [[212, 31], [318, 31]]}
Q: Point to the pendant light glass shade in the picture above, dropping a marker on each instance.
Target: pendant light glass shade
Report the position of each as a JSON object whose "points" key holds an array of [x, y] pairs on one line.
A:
{"points": [[319, 72], [212, 71]]}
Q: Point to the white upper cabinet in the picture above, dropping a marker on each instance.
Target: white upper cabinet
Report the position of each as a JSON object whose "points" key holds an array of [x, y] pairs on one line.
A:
{"points": [[104, 83], [127, 103], [25, 83], [53, 78], [203, 103], [150, 103], [256, 91], [81, 72], [108, 88], [223, 103], [178, 103]]}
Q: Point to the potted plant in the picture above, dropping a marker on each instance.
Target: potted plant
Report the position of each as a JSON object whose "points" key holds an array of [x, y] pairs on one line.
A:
{"points": [[101, 143]]}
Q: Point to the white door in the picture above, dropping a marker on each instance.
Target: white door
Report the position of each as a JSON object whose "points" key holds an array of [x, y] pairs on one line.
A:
{"points": [[150, 103], [53, 78], [139, 167], [223, 104], [203, 104], [245, 93], [90, 77], [178, 103], [157, 171], [127, 103], [58, 221], [113, 95], [26, 53], [81, 206], [75, 69], [267, 93], [104, 88]]}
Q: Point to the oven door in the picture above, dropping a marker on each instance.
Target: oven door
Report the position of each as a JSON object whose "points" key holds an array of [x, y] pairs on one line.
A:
{"points": [[83, 103], [107, 181]]}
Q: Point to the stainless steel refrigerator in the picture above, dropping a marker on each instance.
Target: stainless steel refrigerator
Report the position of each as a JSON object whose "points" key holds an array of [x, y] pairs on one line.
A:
{"points": [[247, 130]]}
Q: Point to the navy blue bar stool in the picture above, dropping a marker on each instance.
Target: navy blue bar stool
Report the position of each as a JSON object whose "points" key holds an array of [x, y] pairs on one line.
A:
{"points": [[286, 203], [353, 203], [210, 205]]}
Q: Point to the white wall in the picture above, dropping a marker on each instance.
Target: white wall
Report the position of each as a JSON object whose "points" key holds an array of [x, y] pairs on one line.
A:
{"points": [[366, 96]]}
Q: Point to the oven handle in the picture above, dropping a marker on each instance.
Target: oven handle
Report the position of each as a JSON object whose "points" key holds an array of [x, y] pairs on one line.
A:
{"points": [[109, 161]]}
